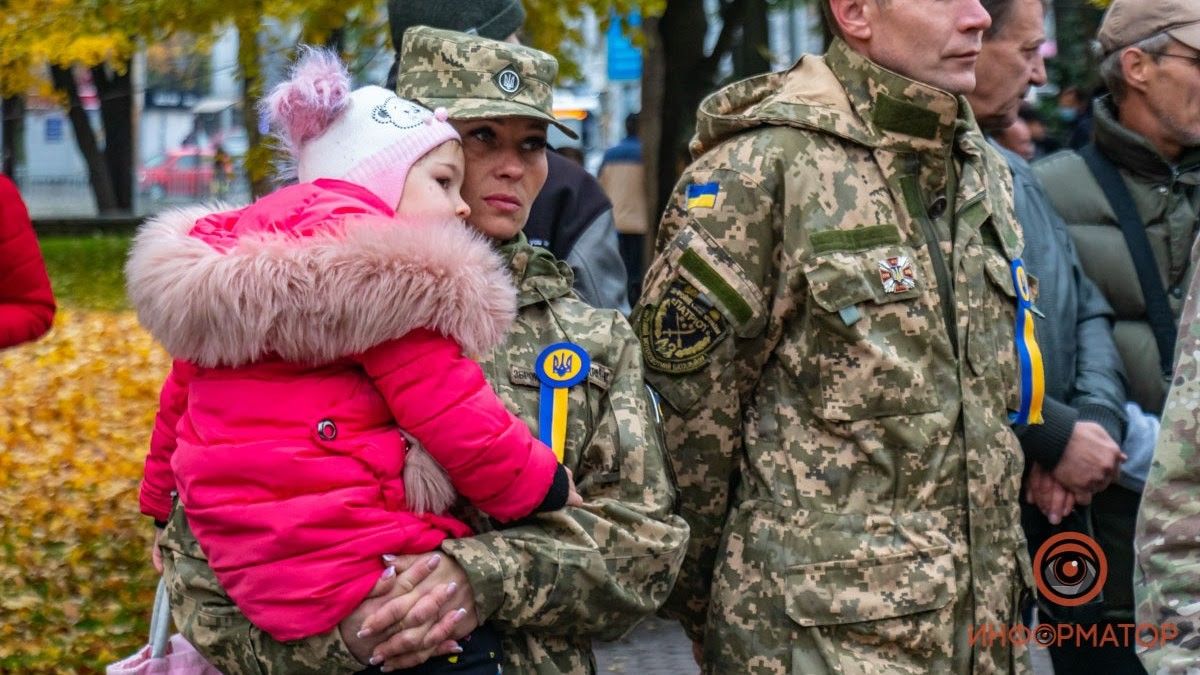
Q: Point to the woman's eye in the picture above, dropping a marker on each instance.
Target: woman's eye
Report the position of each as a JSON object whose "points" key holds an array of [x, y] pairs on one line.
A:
{"points": [[444, 182], [483, 134], [534, 144]]}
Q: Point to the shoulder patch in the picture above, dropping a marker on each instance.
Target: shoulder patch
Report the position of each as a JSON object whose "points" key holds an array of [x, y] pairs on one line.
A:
{"points": [[679, 332]]}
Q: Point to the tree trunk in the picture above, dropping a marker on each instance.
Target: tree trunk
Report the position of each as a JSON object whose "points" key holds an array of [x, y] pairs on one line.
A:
{"points": [[751, 55], [259, 156], [101, 180], [116, 112], [650, 126], [12, 112], [681, 29]]}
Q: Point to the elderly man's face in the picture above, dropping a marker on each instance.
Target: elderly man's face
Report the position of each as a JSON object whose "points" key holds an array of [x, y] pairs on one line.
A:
{"points": [[932, 41], [1011, 62], [1173, 94]]}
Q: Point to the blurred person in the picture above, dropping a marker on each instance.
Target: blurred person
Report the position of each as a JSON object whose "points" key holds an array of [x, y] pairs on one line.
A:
{"points": [[555, 582], [572, 153], [26, 301], [1044, 143], [1075, 114], [377, 416], [623, 177], [1018, 139], [222, 172], [1075, 452], [1131, 200], [571, 217], [837, 385]]}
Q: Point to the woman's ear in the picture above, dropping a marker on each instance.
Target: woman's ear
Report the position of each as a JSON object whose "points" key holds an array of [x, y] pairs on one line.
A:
{"points": [[853, 18]]}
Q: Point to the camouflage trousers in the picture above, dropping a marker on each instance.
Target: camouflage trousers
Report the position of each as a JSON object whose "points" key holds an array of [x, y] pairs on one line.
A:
{"points": [[206, 616]]}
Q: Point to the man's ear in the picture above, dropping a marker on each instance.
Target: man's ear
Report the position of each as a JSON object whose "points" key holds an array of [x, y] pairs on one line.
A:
{"points": [[853, 18], [1135, 66]]}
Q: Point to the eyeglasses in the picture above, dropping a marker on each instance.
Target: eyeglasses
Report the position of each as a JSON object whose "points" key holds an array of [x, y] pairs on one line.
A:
{"points": [[1194, 59]]}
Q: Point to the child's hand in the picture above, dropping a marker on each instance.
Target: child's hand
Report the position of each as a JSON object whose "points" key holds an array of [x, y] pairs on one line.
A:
{"points": [[573, 498], [155, 553]]}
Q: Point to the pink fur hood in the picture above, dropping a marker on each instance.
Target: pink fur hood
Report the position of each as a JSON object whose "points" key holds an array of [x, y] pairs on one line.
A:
{"points": [[310, 274]]}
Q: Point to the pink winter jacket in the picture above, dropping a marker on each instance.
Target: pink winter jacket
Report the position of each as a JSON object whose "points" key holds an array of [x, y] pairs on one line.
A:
{"points": [[309, 329]]}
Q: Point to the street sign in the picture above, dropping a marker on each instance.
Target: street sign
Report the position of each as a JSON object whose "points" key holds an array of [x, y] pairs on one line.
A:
{"points": [[624, 58]]}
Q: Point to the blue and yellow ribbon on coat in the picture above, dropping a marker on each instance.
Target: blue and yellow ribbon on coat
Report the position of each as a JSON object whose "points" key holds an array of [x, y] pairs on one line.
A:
{"points": [[559, 367], [1029, 355]]}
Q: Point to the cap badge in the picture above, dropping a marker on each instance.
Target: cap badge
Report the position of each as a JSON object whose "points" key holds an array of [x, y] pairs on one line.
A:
{"points": [[509, 80]]}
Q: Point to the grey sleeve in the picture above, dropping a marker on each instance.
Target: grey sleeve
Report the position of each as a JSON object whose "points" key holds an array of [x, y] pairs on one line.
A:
{"points": [[600, 278], [1099, 374]]}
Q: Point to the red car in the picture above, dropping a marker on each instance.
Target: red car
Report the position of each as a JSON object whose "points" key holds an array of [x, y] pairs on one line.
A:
{"points": [[185, 172]]}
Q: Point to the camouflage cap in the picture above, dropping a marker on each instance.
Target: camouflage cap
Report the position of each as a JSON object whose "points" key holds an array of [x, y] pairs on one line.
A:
{"points": [[477, 78]]}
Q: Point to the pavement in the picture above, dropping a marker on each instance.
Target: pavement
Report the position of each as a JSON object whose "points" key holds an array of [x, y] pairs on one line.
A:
{"points": [[659, 647]]}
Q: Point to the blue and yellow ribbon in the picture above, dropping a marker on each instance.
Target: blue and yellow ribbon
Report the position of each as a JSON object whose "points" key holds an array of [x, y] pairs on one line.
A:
{"points": [[559, 367], [1029, 355]]}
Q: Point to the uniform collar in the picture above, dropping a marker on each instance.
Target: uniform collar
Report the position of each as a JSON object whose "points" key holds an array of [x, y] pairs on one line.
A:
{"points": [[538, 275], [1130, 150], [900, 111]]}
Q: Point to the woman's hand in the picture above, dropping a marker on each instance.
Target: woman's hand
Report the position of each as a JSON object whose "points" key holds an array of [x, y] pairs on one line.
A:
{"points": [[573, 498], [425, 621], [390, 586], [155, 552]]}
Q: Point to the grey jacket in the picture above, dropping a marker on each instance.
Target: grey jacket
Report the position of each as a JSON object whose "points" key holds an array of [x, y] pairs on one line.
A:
{"points": [[1084, 376], [1167, 197]]}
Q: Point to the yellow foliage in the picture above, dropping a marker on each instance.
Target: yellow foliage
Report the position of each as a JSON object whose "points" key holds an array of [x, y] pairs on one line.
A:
{"points": [[76, 410]]}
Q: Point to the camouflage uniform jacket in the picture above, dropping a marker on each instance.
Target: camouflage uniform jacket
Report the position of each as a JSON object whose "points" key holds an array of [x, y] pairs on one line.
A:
{"points": [[1166, 582], [829, 321], [552, 584]]}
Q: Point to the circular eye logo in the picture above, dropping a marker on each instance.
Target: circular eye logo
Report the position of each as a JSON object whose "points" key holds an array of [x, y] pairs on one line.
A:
{"points": [[1070, 569]]}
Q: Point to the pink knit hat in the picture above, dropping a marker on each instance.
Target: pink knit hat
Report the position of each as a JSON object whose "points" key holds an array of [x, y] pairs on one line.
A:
{"points": [[368, 136]]}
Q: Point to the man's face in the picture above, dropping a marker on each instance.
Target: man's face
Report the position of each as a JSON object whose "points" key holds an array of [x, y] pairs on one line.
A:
{"points": [[1173, 94], [1016, 138], [1011, 62], [930, 41]]}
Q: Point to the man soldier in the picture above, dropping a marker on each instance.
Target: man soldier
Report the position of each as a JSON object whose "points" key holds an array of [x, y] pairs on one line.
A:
{"points": [[829, 321]]}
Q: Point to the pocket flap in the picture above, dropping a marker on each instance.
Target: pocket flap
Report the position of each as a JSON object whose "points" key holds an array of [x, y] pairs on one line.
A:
{"points": [[999, 270], [851, 591], [838, 280]]}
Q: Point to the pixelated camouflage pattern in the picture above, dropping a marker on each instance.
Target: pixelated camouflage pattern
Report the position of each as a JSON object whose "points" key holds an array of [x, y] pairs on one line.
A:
{"points": [[1166, 581], [851, 483], [462, 73], [555, 583]]}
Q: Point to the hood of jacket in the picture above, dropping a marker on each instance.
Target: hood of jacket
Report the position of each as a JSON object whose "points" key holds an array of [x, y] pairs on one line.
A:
{"points": [[538, 275], [842, 94], [311, 274]]}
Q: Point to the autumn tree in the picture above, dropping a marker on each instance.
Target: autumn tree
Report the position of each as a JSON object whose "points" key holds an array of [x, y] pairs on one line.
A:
{"points": [[45, 44]]}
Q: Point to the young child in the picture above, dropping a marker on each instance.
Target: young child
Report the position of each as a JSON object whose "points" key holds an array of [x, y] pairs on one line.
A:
{"points": [[308, 329]]}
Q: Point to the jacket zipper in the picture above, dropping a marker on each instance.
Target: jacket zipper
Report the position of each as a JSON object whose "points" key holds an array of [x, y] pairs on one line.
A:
{"points": [[916, 209]]}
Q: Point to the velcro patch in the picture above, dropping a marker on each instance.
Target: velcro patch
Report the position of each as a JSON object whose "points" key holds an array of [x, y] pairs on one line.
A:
{"points": [[679, 332]]}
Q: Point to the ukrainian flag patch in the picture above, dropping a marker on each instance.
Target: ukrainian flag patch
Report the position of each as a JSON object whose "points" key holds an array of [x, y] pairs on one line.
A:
{"points": [[702, 195]]}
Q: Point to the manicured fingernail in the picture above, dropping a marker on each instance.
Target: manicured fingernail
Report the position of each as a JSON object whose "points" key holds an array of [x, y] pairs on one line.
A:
{"points": [[385, 669], [457, 649], [375, 660], [388, 572], [433, 562], [388, 557], [364, 633], [461, 613], [451, 587]]}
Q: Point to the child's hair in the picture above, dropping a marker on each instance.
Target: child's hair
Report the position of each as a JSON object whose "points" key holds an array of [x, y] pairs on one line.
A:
{"points": [[367, 136]]}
